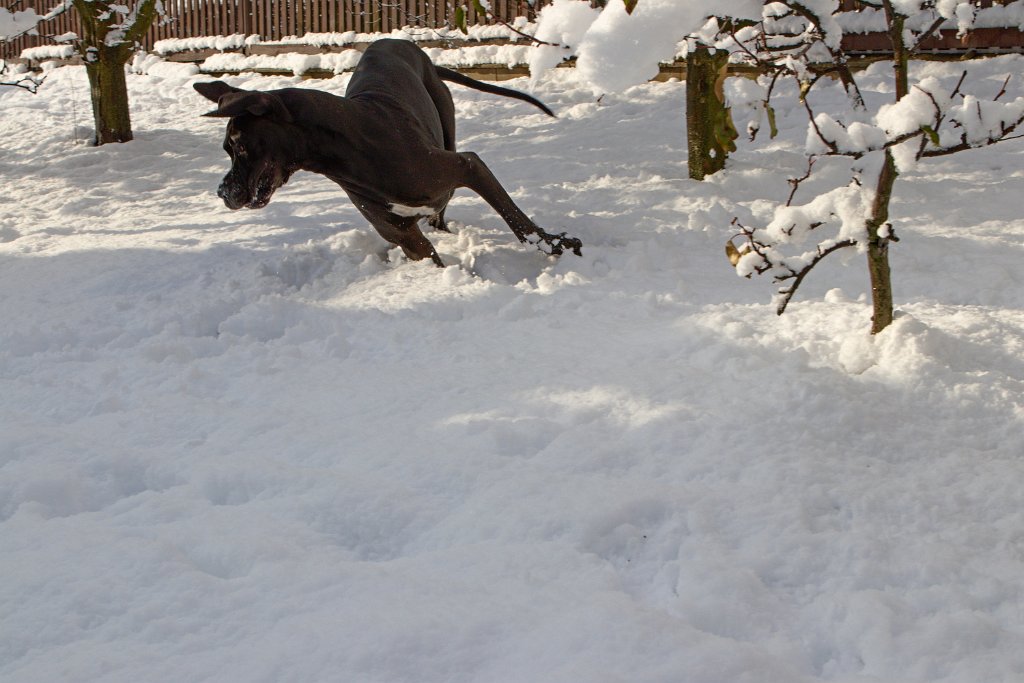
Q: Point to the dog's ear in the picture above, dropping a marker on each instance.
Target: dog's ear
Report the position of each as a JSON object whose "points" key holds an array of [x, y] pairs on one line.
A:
{"points": [[235, 102], [213, 90]]}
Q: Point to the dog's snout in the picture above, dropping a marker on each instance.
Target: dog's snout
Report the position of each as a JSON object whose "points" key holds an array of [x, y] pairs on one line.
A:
{"points": [[233, 199]]}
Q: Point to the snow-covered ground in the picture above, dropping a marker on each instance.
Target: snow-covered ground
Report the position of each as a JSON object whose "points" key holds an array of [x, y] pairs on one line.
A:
{"points": [[258, 446]]}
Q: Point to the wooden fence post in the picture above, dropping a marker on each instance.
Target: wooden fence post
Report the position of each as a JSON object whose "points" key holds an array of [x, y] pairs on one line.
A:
{"points": [[245, 16], [710, 133]]}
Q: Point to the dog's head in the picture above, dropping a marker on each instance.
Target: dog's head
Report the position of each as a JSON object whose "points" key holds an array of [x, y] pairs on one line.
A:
{"points": [[257, 141]]}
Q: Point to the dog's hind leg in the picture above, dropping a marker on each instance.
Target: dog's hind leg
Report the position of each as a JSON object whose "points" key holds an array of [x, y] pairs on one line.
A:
{"points": [[476, 176], [403, 231], [437, 221]]}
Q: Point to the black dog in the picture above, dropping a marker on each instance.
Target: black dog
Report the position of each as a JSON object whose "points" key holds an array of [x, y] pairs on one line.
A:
{"points": [[389, 143]]}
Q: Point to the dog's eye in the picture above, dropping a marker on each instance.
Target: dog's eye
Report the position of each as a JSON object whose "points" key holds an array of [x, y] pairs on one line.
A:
{"points": [[240, 150]]}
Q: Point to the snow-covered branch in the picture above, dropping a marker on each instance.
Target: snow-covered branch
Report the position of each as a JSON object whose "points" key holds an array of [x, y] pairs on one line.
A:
{"points": [[15, 78], [15, 24], [929, 113], [764, 251]]}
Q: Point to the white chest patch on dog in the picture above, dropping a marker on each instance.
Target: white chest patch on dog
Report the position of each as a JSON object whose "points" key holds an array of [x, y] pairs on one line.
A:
{"points": [[411, 211]]}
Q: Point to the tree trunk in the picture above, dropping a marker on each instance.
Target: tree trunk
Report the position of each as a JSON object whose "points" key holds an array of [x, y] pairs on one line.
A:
{"points": [[109, 92], [879, 230], [709, 129], [878, 248], [105, 60]]}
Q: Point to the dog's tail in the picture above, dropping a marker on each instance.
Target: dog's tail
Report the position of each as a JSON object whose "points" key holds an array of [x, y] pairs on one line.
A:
{"points": [[456, 77]]}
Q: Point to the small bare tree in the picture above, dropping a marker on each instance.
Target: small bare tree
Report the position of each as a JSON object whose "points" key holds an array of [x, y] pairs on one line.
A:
{"points": [[803, 41]]}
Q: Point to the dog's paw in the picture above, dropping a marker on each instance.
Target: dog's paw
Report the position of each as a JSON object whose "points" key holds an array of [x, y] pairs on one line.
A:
{"points": [[554, 245], [573, 244]]}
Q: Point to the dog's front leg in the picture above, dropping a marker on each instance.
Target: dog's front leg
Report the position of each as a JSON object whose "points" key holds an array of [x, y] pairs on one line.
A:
{"points": [[476, 176]]}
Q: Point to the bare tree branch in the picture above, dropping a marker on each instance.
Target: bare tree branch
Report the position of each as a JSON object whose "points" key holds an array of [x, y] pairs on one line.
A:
{"points": [[926, 34], [1002, 91], [795, 182], [786, 293]]}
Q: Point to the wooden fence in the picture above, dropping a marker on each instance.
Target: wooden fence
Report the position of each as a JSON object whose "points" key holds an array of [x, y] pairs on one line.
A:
{"points": [[276, 19]]}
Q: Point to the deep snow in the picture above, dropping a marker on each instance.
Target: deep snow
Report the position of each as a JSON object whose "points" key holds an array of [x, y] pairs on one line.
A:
{"points": [[258, 446]]}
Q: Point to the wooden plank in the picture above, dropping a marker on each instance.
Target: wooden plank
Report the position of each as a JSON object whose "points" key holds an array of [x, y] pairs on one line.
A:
{"points": [[946, 41]]}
